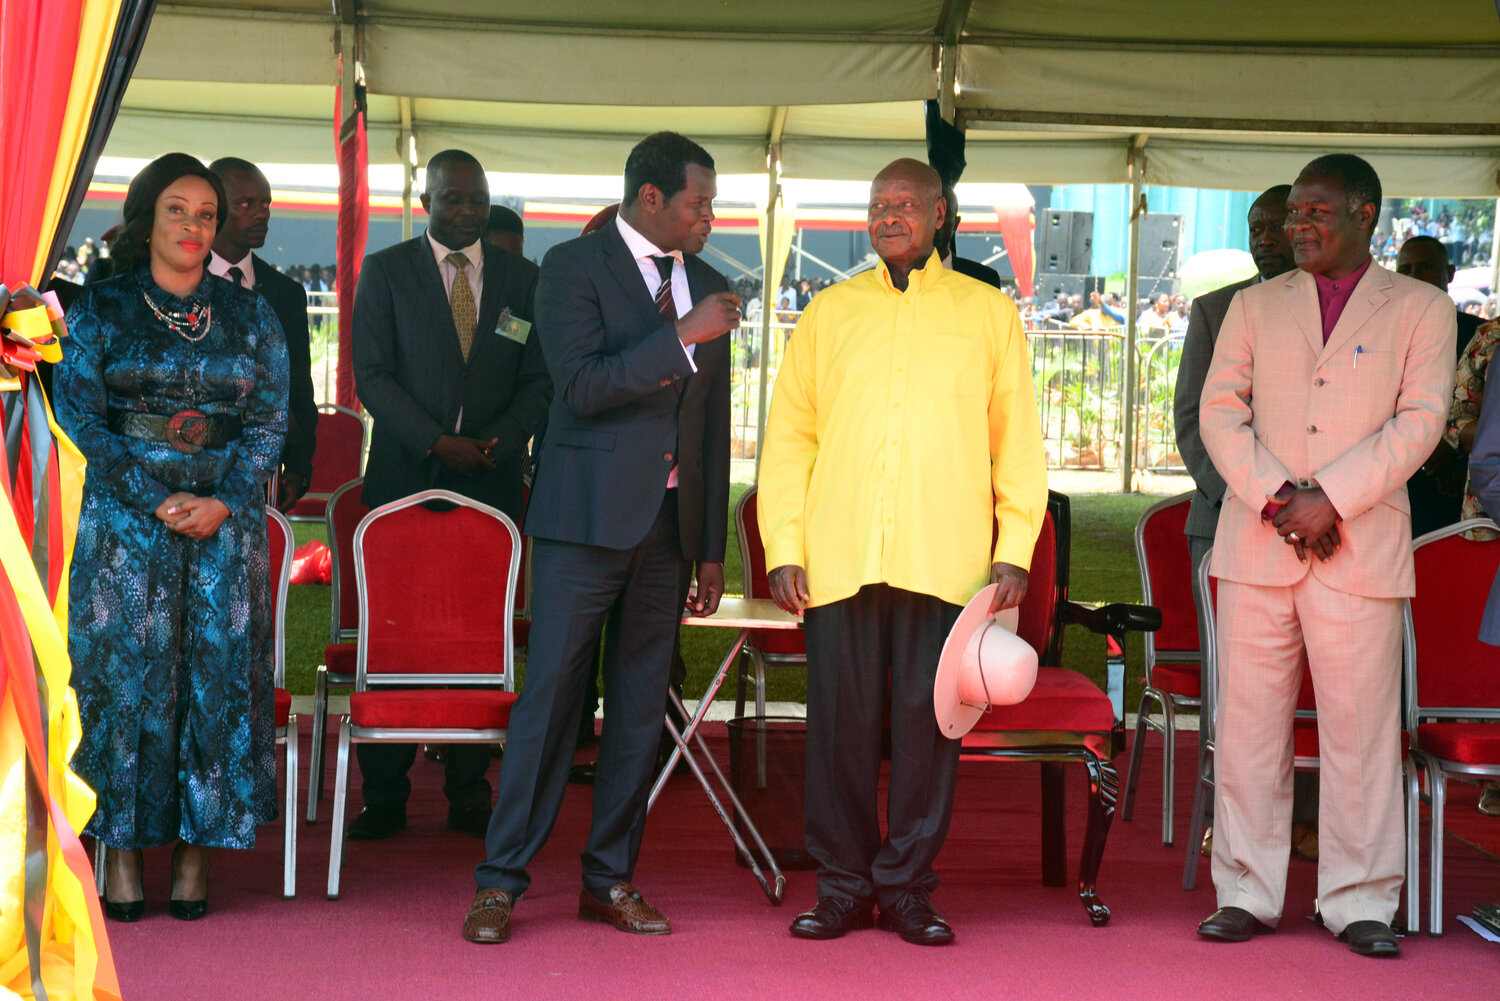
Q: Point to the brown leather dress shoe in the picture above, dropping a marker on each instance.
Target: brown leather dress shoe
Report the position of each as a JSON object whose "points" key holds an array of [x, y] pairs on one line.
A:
{"points": [[1371, 938], [488, 920], [627, 910], [1233, 924]]}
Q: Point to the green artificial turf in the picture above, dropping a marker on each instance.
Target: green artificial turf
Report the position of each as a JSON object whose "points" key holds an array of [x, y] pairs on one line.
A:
{"points": [[1103, 569]]}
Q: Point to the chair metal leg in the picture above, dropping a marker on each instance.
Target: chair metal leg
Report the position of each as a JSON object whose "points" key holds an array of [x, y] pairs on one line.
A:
{"points": [[319, 738], [1168, 768], [1054, 827], [1202, 809], [1437, 790], [1104, 789], [760, 682], [99, 866], [1137, 751], [1413, 846], [289, 813], [739, 684], [340, 799]]}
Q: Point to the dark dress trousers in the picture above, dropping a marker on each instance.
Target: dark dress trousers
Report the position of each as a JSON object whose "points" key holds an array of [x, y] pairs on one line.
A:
{"points": [[288, 300], [411, 376], [610, 544]]}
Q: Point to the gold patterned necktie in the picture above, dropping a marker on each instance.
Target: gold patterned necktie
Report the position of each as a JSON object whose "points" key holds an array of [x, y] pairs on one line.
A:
{"points": [[461, 301]]}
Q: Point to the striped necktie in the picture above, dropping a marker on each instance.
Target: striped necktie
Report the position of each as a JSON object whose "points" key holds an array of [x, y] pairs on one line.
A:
{"points": [[664, 304], [461, 301]]}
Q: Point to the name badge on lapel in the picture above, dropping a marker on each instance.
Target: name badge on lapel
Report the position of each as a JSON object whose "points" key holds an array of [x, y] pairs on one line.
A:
{"points": [[512, 327]]}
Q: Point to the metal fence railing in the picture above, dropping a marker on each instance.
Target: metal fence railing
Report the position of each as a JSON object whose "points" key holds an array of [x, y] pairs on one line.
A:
{"points": [[1079, 377]]}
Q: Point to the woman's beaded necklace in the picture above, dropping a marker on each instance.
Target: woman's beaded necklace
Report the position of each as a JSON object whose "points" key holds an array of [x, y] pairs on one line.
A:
{"points": [[184, 324]]}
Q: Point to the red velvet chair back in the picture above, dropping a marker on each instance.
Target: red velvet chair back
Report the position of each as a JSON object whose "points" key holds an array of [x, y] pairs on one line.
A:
{"points": [[1454, 668], [346, 509], [753, 563], [436, 588], [1167, 575], [1047, 586], [281, 542], [342, 436]]}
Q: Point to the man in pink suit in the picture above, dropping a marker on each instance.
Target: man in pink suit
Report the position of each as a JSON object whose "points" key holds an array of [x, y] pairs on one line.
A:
{"points": [[1328, 388]]}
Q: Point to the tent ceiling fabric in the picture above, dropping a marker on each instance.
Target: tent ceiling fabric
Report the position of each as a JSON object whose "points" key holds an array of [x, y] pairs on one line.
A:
{"points": [[1228, 95]]}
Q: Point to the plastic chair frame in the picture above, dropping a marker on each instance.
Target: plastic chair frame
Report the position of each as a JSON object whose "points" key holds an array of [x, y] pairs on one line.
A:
{"points": [[759, 660], [1437, 769], [349, 734], [325, 679], [1203, 795], [1170, 704]]}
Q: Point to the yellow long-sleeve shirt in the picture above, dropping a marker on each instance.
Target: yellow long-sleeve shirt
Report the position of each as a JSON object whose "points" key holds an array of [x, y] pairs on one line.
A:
{"points": [[901, 425]]}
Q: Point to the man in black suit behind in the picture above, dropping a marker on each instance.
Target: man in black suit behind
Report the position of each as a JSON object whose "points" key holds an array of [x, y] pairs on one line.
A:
{"points": [[447, 362], [632, 489], [244, 231], [946, 245]]}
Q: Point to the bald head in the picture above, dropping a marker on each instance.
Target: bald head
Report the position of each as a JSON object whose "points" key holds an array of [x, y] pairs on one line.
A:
{"points": [[906, 211]]}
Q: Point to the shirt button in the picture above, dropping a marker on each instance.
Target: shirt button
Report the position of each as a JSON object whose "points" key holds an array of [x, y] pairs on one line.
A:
{"points": [[667, 457], [1312, 429], [1318, 381]]}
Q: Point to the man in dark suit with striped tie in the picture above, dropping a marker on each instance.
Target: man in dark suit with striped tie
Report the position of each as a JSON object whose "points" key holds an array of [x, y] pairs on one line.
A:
{"points": [[447, 362], [631, 493]]}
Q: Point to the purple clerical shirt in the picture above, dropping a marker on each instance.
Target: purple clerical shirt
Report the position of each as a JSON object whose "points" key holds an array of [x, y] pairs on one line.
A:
{"points": [[1333, 296]]}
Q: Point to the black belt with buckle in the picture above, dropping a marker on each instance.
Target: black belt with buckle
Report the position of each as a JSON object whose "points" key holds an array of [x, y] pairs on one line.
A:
{"points": [[187, 430]]}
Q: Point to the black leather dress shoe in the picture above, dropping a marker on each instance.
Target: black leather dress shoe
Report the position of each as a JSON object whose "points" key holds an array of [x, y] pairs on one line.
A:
{"points": [[914, 918], [471, 820], [1371, 938], [1232, 924], [583, 775], [832, 917], [374, 823]]}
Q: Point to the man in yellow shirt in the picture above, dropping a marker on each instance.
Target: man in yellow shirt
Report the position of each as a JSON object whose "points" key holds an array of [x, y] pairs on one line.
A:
{"points": [[904, 425]]}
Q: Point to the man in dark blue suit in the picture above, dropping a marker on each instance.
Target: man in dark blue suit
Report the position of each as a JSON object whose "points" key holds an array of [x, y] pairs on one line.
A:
{"points": [[631, 491], [447, 363]]}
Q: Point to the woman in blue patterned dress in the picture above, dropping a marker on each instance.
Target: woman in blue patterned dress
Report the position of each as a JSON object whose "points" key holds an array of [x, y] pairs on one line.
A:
{"points": [[174, 386]]}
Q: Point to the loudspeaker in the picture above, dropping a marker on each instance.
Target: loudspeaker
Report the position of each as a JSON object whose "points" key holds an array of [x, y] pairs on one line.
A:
{"points": [[1160, 240], [1150, 287], [1064, 242], [1048, 286]]}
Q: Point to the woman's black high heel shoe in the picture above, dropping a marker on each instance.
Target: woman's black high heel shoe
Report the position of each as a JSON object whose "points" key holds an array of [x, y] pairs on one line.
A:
{"points": [[187, 910], [129, 910]]}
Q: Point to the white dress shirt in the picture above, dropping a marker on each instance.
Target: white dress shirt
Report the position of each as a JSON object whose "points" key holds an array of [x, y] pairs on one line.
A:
{"points": [[218, 266], [474, 270]]}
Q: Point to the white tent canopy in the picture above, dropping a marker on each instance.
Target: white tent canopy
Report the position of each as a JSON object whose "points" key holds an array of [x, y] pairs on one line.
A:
{"points": [[1217, 95]]}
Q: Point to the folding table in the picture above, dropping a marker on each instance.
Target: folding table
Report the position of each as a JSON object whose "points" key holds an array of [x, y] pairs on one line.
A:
{"points": [[743, 614]]}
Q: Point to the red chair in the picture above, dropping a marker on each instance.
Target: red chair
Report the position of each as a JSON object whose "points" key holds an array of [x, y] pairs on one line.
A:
{"points": [[282, 542], [1453, 710], [343, 438], [1173, 660], [1305, 755], [437, 578], [764, 647], [345, 509], [1067, 718]]}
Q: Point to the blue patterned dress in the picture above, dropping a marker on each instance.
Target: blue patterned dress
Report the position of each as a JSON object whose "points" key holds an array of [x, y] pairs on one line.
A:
{"points": [[170, 636]]}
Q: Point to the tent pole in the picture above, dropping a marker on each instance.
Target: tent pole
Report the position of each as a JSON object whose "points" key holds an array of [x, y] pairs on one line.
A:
{"points": [[404, 147], [1495, 252], [1137, 164], [767, 296]]}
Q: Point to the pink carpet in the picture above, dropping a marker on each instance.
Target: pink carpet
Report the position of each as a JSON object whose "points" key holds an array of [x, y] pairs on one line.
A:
{"points": [[394, 933]]}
